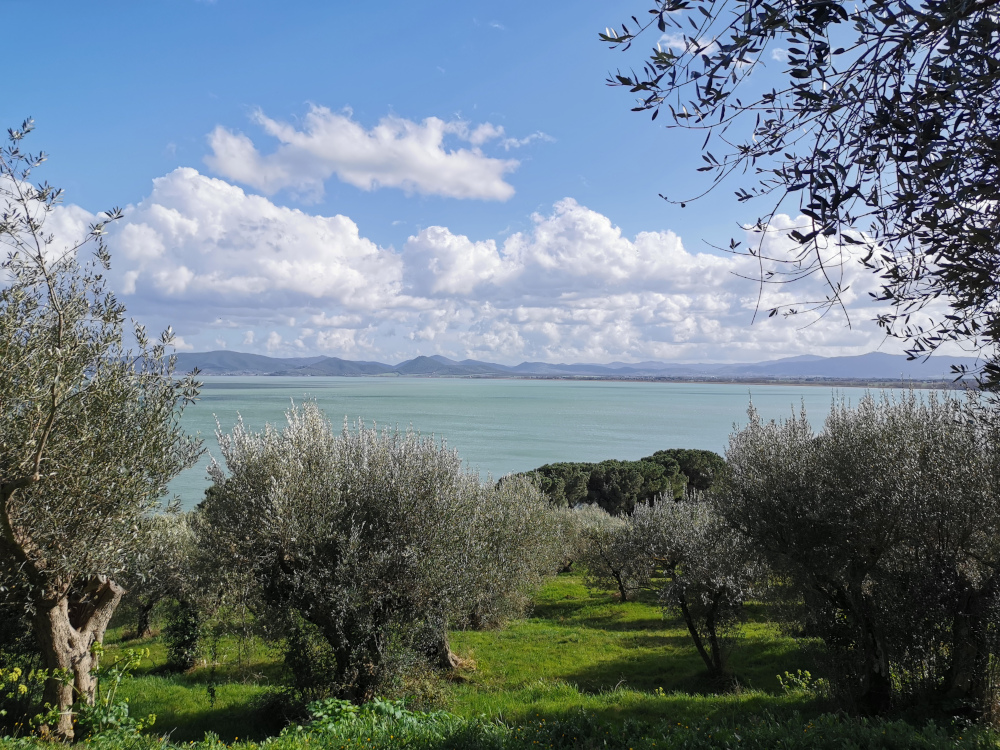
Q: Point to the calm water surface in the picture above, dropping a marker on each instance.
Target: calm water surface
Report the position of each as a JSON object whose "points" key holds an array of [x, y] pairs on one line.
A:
{"points": [[503, 426]]}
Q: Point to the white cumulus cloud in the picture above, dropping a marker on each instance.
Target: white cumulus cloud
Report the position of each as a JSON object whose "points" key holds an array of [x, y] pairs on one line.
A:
{"points": [[199, 240], [396, 153]]}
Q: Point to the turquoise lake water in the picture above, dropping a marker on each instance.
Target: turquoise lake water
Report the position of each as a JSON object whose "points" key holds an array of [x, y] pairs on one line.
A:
{"points": [[503, 426]]}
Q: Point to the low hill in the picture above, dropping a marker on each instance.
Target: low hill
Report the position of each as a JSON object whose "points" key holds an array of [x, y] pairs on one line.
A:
{"points": [[871, 366], [238, 363]]}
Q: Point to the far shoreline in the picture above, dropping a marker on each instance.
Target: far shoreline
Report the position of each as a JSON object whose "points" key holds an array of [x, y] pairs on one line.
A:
{"points": [[815, 382]]}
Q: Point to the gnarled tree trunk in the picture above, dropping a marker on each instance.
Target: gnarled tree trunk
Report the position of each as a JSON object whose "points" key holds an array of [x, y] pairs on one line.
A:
{"points": [[67, 628], [876, 693], [438, 649], [967, 678]]}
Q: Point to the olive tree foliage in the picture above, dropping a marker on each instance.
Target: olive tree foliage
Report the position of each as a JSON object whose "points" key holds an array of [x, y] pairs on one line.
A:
{"points": [[886, 524], [89, 431], [702, 569], [881, 129], [376, 539], [614, 555], [707, 571], [574, 524], [166, 566], [514, 542]]}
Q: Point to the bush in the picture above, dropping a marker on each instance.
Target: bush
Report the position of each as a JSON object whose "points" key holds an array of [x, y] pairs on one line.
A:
{"points": [[886, 526], [377, 539], [20, 695], [182, 634]]}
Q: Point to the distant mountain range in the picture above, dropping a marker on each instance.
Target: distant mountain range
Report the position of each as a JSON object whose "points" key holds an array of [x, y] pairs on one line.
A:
{"points": [[872, 366]]}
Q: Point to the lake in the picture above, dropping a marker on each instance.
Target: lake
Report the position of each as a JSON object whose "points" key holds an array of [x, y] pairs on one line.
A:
{"points": [[503, 426]]}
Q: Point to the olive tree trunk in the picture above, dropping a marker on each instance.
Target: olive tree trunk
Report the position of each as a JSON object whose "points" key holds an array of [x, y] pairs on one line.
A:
{"points": [[968, 676], [876, 691], [67, 628], [143, 617], [712, 656], [438, 649]]}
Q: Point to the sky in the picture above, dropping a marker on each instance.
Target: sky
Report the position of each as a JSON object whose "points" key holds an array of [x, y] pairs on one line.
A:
{"points": [[381, 181]]}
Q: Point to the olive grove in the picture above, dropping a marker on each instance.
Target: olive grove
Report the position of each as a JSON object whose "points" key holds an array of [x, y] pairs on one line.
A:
{"points": [[89, 432]]}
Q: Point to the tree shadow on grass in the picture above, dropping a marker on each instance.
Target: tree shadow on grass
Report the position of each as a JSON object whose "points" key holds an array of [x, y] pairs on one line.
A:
{"points": [[603, 616], [669, 668], [185, 713], [671, 662], [627, 703]]}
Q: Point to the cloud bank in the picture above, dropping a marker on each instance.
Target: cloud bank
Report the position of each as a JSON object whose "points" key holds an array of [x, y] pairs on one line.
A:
{"points": [[229, 268]]}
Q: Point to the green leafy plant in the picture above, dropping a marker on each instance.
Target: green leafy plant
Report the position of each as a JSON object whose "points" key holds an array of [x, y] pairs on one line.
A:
{"points": [[802, 682], [19, 691], [182, 634], [109, 713], [333, 714]]}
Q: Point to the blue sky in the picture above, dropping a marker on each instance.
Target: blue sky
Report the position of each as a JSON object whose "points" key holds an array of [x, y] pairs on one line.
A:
{"points": [[376, 181]]}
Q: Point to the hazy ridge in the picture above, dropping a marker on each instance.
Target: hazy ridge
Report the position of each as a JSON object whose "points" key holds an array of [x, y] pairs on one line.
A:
{"points": [[871, 366]]}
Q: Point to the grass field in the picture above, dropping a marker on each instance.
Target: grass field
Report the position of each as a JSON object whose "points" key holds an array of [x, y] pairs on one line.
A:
{"points": [[576, 651], [582, 671]]}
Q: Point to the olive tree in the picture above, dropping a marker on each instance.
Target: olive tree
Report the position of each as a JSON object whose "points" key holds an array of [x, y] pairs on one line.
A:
{"points": [[513, 541], [89, 432], [887, 522], [163, 567], [574, 524], [707, 571], [374, 538], [614, 556], [878, 126]]}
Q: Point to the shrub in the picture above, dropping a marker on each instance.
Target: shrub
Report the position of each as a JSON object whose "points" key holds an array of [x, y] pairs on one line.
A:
{"points": [[181, 634], [378, 539], [886, 525]]}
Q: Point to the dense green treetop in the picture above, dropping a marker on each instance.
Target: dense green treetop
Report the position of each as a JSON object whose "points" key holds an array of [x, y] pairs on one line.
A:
{"points": [[618, 486]]}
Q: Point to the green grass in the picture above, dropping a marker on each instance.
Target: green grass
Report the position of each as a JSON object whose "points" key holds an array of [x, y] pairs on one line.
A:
{"points": [[227, 698], [578, 651], [584, 651], [581, 671]]}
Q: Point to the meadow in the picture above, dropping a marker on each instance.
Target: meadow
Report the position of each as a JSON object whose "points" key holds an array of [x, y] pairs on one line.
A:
{"points": [[582, 670]]}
